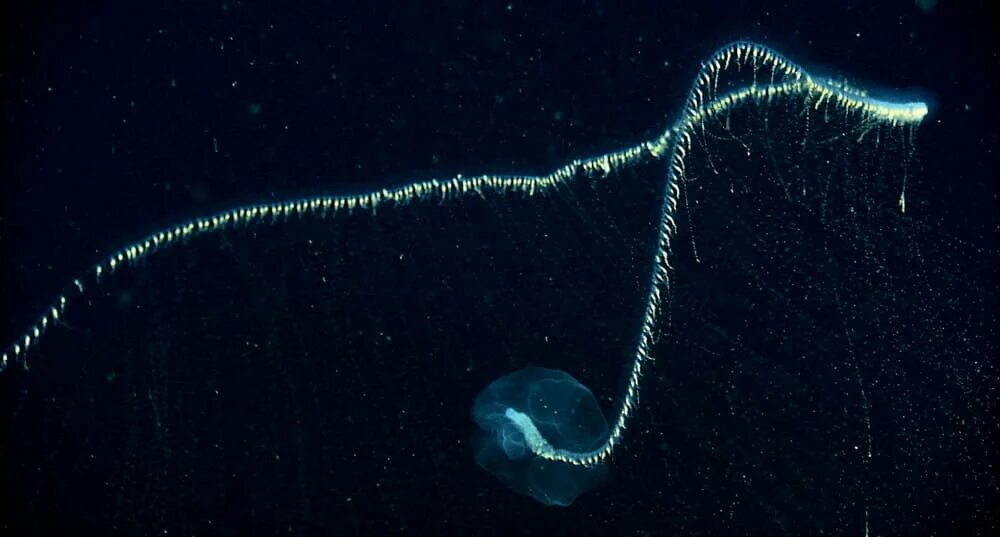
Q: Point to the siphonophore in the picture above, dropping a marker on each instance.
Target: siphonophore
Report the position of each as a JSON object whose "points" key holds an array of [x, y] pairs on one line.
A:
{"points": [[521, 444], [532, 410]]}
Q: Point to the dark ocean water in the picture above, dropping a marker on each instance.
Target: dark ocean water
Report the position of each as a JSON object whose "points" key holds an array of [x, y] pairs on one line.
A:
{"points": [[825, 364]]}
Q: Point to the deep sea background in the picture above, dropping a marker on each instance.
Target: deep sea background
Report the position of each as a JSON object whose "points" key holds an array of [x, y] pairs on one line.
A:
{"points": [[293, 379]]}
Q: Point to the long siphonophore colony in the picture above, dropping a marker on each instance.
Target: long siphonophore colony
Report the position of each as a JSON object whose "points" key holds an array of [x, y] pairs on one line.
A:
{"points": [[771, 78]]}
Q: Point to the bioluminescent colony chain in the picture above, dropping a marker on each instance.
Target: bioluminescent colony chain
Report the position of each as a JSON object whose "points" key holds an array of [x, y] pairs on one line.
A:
{"points": [[774, 77]]}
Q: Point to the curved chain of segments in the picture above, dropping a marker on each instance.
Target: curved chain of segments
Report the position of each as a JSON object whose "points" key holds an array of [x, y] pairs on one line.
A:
{"points": [[786, 79], [458, 186]]}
